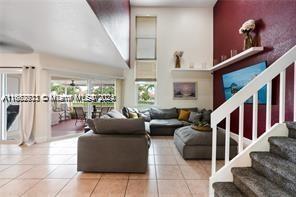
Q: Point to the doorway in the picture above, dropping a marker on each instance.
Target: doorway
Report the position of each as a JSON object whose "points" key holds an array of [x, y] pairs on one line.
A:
{"points": [[69, 118]]}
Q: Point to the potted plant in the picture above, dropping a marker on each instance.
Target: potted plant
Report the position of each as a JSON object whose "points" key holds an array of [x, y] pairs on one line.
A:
{"points": [[201, 125], [178, 55]]}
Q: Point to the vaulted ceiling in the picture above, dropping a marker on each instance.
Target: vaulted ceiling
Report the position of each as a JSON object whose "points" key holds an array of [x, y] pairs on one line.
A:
{"points": [[67, 28]]}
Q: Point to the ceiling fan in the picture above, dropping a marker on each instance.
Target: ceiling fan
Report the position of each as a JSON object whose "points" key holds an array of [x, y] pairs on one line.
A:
{"points": [[72, 83]]}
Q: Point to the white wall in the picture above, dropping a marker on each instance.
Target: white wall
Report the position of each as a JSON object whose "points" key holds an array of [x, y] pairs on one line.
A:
{"points": [[186, 29]]}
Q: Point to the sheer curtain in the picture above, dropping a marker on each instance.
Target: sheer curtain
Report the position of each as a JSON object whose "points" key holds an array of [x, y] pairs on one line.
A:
{"points": [[27, 109]]}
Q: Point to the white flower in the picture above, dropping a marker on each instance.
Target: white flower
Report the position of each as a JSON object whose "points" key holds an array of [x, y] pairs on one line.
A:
{"points": [[179, 54], [248, 26]]}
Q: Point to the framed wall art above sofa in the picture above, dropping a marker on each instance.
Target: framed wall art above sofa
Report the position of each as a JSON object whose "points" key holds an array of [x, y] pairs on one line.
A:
{"points": [[185, 90]]}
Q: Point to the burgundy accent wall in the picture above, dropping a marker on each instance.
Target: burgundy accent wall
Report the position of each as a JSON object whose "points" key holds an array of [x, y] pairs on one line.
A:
{"points": [[275, 30], [115, 17]]}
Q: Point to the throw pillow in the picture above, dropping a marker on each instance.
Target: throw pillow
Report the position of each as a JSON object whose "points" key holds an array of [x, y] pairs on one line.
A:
{"points": [[125, 112], [116, 114], [105, 116], [206, 115], [184, 115], [194, 116], [145, 116], [133, 115]]}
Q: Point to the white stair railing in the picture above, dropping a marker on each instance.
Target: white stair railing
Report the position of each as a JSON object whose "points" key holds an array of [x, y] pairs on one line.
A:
{"points": [[251, 90]]}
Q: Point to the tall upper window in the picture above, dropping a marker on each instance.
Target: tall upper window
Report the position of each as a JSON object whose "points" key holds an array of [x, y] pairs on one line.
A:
{"points": [[145, 64], [146, 38]]}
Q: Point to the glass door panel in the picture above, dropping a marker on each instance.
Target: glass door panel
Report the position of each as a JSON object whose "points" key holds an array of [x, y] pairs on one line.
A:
{"points": [[10, 118], [68, 118]]}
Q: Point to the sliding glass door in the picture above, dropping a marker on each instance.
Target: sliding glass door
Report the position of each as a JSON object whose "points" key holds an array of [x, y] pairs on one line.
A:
{"points": [[68, 118], [9, 111]]}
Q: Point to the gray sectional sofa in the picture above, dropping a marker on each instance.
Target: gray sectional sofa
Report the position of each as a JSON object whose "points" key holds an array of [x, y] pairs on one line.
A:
{"points": [[114, 145], [164, 122]]}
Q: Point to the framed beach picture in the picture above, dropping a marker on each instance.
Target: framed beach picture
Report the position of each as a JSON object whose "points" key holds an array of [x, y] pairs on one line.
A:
{"points": [[236, 80], [185, 90]]}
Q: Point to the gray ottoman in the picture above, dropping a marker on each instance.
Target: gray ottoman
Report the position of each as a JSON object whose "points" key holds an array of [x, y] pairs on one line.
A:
{"points": [[193, 144]]}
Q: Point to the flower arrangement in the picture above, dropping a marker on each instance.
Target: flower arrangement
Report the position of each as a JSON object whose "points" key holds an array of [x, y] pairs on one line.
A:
{"points": [[201, 125], [178, 55], [246, 29]]}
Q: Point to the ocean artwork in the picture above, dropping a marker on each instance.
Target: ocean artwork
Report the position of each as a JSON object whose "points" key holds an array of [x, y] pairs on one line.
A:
{"points": [[236, 80], [185, 90]]}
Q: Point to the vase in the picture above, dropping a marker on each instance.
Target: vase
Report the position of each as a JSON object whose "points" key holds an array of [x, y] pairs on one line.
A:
{"points": [[248, 42], [178, 62]]}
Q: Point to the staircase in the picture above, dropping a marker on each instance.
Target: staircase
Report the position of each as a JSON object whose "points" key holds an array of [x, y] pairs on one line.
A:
{"points": [[267, 167], [272, 173]]}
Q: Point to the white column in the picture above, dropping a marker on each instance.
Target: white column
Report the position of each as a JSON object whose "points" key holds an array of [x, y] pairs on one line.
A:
{"points": [[295, 91], [227, 139], [241, 128], [3, 106], [268, 105], [42, 122], [255, 116], [282, 96], [214, 147]]}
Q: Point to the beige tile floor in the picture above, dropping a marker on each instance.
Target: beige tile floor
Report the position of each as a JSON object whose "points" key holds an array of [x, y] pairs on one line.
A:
{"points": [[49, 169]]}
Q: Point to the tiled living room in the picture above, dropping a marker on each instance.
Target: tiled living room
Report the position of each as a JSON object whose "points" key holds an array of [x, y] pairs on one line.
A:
{"points": [[50, 168], [165, 98]]}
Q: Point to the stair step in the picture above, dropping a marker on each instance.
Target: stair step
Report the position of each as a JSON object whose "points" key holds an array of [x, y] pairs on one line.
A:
{"points": [[284, 147], [226, 189], [292, 129], [276, 169], [252, 184]]}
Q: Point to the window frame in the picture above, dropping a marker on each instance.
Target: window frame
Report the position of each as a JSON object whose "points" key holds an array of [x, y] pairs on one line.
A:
{"points": [[137, 83], [146, 37]]}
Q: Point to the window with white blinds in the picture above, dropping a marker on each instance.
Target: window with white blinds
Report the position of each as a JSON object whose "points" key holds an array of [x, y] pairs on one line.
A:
{"points": [[145, 71], [145, 38]]}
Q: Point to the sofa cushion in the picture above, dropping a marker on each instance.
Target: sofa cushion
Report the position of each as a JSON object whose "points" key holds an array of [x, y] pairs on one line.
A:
{"points": [[165, 123], [126, 111], [194, 116], [145, 116], [156, 113], [119, 126], [184, 115], [133, 115], [105, 116], [116, 114], [193, 137], [192, 109]]}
